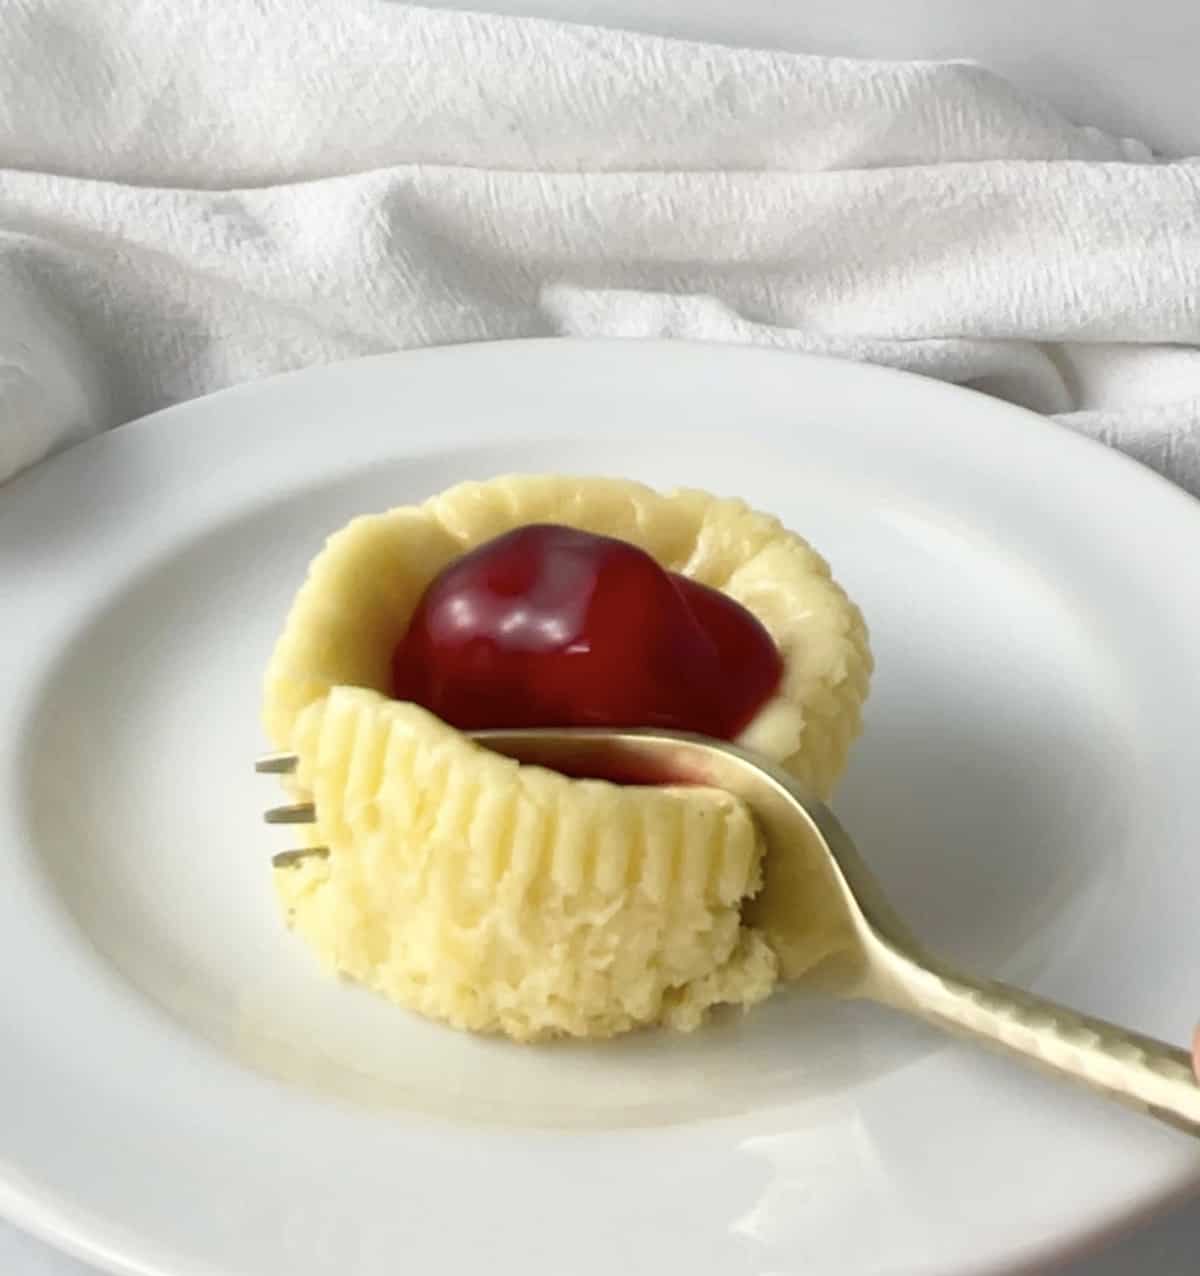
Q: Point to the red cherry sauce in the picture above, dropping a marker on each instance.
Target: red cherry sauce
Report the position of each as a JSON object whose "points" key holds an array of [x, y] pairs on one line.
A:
{"points": [[550, 626]]}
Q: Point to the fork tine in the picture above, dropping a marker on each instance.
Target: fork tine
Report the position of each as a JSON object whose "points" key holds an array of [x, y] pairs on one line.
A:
{"points": [[276, 763], [288, 859], [298, 813]]}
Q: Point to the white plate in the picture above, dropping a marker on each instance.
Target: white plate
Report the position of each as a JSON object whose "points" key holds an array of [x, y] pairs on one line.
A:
{"points": [[182, 1092]]}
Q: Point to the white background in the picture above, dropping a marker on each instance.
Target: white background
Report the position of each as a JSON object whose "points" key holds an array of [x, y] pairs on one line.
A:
{"points": [[1129, 67]]}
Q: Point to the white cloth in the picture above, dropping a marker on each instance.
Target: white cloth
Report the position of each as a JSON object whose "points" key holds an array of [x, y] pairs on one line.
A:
{"points": [[198, 193]]}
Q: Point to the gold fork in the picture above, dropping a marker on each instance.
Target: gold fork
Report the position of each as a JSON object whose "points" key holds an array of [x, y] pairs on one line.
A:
{"points": [[877, 958]]}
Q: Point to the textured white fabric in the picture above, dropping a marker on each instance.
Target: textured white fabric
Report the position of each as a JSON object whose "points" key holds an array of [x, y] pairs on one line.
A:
{"points": [[202, 192]]}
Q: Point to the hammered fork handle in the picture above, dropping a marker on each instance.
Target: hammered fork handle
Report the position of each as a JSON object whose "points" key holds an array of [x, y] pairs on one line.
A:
{"points": [[1136, 1070]]}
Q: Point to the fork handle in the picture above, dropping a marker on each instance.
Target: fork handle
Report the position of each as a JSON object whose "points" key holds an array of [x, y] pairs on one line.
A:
{"points": [[1139, 1071]]}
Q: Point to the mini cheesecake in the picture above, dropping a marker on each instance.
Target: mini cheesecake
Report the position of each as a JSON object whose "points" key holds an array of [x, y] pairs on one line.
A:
{"points": [[506, 898]]}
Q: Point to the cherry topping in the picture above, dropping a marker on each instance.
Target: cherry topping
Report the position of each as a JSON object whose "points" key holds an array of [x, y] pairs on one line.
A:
{"points": [[550, 626]]}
